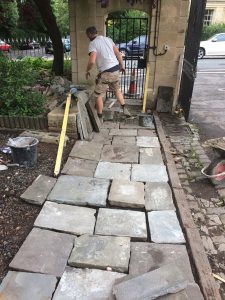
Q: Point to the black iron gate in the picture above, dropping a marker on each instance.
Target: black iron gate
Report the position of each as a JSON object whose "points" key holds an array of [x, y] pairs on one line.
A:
{"points": [[192, 42], [131, 37]]}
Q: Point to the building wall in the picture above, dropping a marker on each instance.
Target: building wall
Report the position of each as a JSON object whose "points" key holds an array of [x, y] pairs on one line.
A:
{"points": [[218, 8], [171, 32]]}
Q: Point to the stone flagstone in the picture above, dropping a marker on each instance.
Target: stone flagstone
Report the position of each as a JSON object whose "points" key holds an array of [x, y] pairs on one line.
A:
{"points": [[149, 173], [162, 281], [79, 190], [158, 196], [87, 150], [120, 154], [27, 286], [151, 156], [66, 218], [110, 125], [102, 137], [191, 292], [164, 227], [123, 132], [39, 190], [121, 223], [127, 193], [150, 256], [100, 252], [80, 167], [113, 170], [42, 252], [146, 132], [148, 142], [124, 140], [86, 284]]}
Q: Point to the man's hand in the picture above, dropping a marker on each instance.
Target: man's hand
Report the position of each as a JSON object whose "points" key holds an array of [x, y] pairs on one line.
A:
{"points": [[122, 69], [87, 75]]}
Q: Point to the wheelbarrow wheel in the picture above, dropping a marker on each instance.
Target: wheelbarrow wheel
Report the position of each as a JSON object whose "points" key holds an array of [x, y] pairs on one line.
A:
{"points": [[217, 166]]}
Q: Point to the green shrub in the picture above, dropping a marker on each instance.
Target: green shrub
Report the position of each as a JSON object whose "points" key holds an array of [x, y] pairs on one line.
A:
{"points": [[209, 31], [16, 78]]}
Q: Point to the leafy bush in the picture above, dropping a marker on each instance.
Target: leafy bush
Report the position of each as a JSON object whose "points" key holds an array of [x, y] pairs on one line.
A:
{"points": [[16, 97], [209, 31]]}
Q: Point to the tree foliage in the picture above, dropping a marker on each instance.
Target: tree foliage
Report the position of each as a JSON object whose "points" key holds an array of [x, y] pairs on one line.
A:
{"points": [[61, 12], [209, 31], [8, 17]]}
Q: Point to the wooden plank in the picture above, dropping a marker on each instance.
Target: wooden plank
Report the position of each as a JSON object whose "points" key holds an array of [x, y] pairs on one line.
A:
{"points": [[198, 255]]}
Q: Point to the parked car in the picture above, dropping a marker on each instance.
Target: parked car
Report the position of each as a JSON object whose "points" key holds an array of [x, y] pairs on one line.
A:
{"points": [[4, 46], [29, 45], [49, 47], [136, 46], [213, 46]]}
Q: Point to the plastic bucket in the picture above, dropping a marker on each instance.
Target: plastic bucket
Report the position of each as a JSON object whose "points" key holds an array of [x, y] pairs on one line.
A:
{"points": [[24, 150]]}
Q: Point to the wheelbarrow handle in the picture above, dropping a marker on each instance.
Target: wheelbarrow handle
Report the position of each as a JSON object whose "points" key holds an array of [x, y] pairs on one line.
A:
{"points": [[211, 176]]}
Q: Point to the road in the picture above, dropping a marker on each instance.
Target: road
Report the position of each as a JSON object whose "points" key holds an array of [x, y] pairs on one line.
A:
{"points": [[208, 101]]}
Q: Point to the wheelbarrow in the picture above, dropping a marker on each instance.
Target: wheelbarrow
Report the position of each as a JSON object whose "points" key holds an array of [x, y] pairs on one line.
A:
{"points": [[216, 170]]}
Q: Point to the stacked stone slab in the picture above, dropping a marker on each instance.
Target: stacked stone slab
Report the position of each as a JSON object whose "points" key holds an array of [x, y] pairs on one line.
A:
{"points": [[55, 120]]}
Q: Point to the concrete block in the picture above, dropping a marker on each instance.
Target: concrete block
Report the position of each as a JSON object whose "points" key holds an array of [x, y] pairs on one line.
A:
{"points": [[100, 252], [78, 190], [39, 190], [127, 194], [113, 170], [121, 223], [164, 227], [27, 286], [66, 218], [42, 252]]}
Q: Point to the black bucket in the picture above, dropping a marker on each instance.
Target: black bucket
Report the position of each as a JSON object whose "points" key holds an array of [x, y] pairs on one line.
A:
{"points": [[24, 150]]}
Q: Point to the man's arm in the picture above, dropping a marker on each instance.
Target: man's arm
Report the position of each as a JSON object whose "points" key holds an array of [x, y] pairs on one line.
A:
{"points": [[91, 62], [119, 58]]}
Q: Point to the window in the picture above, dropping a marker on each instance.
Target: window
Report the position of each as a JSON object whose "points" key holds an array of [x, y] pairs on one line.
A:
{"points": [[208, 16], [221, 37]]}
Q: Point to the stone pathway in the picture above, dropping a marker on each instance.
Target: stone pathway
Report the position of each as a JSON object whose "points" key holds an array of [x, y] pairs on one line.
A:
{"points": [[110, 214]]}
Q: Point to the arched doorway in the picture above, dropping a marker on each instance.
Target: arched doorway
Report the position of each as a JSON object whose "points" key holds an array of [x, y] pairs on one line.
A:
{"points": [[129, 30]]}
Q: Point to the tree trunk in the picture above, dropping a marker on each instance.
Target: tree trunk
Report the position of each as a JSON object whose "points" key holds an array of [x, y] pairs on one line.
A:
{"points": [[49, 20]]}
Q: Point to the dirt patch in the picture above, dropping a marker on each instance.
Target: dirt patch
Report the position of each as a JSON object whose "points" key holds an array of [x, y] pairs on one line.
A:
{"points": [[16, 216]]}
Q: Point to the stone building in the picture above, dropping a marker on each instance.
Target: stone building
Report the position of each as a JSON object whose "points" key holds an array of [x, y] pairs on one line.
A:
{"points": [[172, 20], [215, 12]]}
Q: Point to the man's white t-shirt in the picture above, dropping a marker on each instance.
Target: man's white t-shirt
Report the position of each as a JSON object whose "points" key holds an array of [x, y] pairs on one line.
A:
{"points": [[106, 58]]}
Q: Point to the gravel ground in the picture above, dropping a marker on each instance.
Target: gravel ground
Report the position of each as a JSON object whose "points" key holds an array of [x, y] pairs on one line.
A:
{"points": [[16, 216]]}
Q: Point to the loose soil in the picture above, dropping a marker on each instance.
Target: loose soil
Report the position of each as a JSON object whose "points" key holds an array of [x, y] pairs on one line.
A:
{"points": [[16, 216]]}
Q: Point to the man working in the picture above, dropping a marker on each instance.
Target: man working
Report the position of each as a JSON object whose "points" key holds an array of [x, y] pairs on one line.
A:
{"points": [[103, 51]]}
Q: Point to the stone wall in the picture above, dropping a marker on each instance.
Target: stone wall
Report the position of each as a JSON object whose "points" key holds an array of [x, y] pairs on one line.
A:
{"points": [[171, 32], [218, 8]]}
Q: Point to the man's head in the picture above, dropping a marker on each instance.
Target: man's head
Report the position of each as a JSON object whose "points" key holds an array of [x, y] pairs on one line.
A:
{"points": [[91, 32]]}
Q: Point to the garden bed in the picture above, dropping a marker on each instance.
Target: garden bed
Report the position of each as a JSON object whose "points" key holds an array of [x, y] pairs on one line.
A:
{"points": [[16, 216]]}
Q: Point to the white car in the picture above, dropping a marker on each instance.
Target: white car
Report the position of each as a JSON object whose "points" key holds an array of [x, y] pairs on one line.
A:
{"points": [[213, 46]]}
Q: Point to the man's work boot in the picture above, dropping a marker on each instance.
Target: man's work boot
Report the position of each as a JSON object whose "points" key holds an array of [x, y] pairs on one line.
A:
{"points": [[126, 112]]}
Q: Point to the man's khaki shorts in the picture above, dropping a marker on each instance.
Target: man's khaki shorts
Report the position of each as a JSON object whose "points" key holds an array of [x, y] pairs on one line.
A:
{"points": [[108, 80]]}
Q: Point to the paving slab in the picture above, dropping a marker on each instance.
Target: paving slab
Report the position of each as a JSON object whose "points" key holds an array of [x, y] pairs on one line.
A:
{"points": [[121, 223], [78, 190], [149, 173], [80, 167], [87, 150], [110, 125], [150, 256], [130, 125], [42, 252], [39, 190], [102, 137], [123, 132], [66, 218], [162, 281], [86, 284], [15, 286], [146, 132], [151, 156], [100, 252], [164, 227], [124, 140], [192, 291], [148, 142], [127, 193], [158, 196], [120, 154], [109, 170]]}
